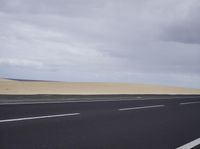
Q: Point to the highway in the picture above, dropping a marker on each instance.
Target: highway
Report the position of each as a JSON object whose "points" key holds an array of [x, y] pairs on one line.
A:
{"points": [[170, 122]]}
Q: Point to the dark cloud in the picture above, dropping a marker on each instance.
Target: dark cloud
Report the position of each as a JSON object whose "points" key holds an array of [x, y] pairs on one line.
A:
{"points": [[186, 29]]}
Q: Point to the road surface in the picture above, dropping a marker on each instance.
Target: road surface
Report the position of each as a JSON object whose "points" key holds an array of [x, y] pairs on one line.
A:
{"points": [[132, 123]]}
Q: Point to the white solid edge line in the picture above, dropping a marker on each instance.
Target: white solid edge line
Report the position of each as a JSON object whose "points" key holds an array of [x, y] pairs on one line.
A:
{"points": [[75, 101], [145, 107], [187, 103], [37, 117], [70, 101], [190, 145]]}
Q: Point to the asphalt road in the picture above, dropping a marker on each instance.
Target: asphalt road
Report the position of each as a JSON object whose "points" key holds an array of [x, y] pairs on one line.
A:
{"points": [[122, 124]]}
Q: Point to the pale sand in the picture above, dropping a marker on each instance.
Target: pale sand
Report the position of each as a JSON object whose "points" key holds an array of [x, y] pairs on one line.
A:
{"points": [[30, 87]]}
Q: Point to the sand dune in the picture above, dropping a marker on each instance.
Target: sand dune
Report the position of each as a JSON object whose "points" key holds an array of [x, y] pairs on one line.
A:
{"points": [[30, 87]]}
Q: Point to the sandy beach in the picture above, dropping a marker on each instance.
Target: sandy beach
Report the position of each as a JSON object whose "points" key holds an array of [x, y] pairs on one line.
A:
{"points": [[13, 87]]}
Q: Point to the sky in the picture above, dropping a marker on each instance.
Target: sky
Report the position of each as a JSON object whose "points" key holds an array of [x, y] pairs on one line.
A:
{"points": [[134, 41]]}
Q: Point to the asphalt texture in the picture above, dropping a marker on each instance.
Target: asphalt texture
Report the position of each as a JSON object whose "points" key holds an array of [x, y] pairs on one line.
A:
{"points": [[101, 124]]}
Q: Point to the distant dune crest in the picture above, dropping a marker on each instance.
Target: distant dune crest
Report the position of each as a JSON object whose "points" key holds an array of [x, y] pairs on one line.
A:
{"points": [[41, 87]]}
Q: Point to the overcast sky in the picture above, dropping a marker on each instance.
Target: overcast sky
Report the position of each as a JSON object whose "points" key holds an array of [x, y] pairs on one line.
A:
{"points": [[136, 41]]}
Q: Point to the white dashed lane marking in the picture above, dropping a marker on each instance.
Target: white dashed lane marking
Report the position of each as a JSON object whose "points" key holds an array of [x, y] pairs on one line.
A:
{"points": [[190, 145], [38, 117], [137, 108], [189, 103]]}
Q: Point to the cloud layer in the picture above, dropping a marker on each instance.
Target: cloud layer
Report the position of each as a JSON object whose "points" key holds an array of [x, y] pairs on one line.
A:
{"points": [[146, 41]]}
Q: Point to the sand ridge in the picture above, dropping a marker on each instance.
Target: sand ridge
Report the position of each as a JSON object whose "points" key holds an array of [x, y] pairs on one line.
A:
{"points": [[75, 88]]}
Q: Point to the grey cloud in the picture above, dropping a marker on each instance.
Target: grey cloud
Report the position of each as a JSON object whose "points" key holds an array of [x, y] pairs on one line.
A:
{"points": [[20, 63], [107, 40], [186, 29], [72, 8]]}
